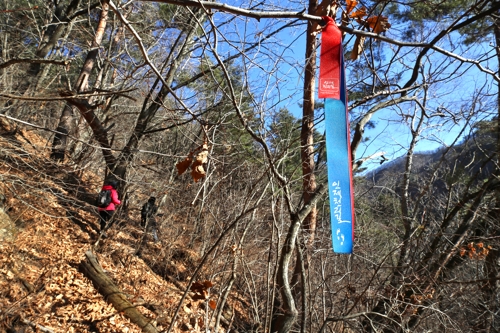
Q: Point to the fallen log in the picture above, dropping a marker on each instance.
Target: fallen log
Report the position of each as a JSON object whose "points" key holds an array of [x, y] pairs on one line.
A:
{"points": [[93, 270]]}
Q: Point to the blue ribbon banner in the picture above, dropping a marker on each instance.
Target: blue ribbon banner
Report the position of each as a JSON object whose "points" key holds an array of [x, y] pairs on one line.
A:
{"points": [[338, 156], [339, 176]]}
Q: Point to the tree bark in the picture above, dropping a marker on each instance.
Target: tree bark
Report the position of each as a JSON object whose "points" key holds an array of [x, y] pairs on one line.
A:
{"points": [[307, 129], [60, 138], [490, 289], [282, 323], [50, 38], [81, 85], [53, 33], [148, 112]]}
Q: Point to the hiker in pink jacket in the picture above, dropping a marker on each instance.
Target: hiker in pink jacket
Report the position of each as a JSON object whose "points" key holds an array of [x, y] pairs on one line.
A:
{"points": [[105, 213]]}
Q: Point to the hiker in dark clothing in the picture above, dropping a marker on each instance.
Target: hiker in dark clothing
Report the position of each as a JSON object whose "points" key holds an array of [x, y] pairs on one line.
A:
{"points": [[105, 213], [148, 217]]}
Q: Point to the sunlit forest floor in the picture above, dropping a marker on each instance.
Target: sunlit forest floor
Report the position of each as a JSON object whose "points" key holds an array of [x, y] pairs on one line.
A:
{"points": [[48, 225]]}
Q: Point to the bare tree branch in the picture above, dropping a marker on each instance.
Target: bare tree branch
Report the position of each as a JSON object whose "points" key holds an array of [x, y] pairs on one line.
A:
{"points": [[34, 61], [63, 96], [304, 16]]}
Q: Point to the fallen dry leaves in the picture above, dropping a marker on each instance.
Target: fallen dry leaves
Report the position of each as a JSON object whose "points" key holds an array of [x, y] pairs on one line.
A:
{"points": [[39, 277]]}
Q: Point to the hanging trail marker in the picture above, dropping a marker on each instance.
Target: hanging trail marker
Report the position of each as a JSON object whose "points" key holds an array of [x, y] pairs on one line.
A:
{"points": [[332, 87]]}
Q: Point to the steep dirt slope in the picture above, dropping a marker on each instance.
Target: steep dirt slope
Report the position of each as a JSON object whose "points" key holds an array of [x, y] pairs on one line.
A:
{"points": [[49, 224]]}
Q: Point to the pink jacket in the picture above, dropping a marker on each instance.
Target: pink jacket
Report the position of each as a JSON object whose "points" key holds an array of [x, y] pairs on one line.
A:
{"points": [[114, 198]]}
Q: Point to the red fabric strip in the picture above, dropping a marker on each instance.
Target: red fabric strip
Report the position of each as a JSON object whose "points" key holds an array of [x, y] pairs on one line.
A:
{"points": [[329, 69]]}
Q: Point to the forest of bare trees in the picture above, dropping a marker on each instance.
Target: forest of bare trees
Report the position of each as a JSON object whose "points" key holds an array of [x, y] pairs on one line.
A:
{"points": [[135, 90]]}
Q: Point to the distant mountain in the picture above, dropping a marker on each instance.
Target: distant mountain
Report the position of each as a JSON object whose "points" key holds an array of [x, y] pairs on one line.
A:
{"points": [[472, 156]]}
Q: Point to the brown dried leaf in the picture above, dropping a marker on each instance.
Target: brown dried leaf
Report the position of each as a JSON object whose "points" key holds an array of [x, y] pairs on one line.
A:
{"points": [[198, 172], [382, 26], [199, 296], [196, 286], [359, 14], [201, 157], [325, 8], [187, 308], [378, 23], [350, 5], [183, 165], [212, 304], [208, 284], [358, 47]]}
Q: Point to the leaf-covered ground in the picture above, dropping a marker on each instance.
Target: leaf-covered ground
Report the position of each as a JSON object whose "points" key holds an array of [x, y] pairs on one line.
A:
{"points": [[50, 226]]}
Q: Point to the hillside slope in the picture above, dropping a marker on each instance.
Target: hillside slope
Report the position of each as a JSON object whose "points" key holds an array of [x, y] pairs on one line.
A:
{"points": [[48, 222]]}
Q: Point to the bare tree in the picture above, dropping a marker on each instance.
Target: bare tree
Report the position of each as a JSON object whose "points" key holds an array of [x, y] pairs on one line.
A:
{"points": [[163, 78]]}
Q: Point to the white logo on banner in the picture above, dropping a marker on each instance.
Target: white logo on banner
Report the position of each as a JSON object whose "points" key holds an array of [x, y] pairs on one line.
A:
{"points": [[329, 85]]}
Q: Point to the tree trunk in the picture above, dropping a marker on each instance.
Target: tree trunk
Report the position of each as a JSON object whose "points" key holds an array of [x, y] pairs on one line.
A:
{"points": [[81, 85], [60, 138], [307, 153], [148, 112], [283, 322], [53, 33], [490, 288], [50, 38], [112, 293], [307, 129]]}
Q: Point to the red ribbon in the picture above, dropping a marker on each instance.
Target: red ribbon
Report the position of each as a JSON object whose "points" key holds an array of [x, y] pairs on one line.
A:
{"points": [[330, 60]]}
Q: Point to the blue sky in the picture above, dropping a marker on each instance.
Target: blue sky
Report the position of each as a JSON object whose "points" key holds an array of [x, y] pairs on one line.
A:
{"points": [[280, 84]]}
